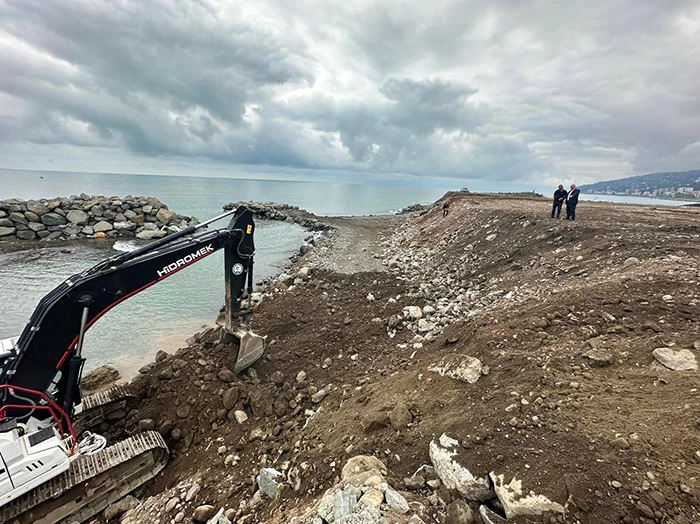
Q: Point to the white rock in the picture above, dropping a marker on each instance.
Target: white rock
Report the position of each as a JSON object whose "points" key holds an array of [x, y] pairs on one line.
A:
{"points": [[515, 502], [425, 325], [396, 501], [455, 476], [240, 416], [370, 297], [413, 312], [461, 367], [428, 310], [491, 237], [268, 483], [681, 360]]}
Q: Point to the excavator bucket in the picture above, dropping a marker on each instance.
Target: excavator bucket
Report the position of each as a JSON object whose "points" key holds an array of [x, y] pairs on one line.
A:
{"points": [[250, 348]]}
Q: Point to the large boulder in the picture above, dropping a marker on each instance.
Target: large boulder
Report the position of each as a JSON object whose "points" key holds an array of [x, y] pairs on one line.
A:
{"points": [[149, 234], [103, 226], [19, 218], [52, 219], [37, 207], [517, 502], [680, 360], [36, 226], [453, 474], [360, 464], [7, 231], [26, 234], [125, 226], [269, 482], [75, 216], [165, 215]]}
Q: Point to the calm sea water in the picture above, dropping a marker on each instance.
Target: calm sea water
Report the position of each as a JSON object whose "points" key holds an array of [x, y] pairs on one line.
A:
{"points": [[164, 316]]}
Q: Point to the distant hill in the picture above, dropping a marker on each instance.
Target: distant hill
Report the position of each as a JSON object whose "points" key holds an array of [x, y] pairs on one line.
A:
{"points": [[682, 185]]}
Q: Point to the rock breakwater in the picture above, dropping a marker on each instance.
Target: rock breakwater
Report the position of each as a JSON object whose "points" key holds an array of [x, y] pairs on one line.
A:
{"points": [[283, 212], [88, 216]]}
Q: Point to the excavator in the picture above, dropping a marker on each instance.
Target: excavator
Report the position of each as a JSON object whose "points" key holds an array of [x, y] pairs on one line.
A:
{"points": [[47, 474]]}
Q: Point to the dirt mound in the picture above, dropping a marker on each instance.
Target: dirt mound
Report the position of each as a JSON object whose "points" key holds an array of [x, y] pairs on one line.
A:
{"points": [[550, 324]]}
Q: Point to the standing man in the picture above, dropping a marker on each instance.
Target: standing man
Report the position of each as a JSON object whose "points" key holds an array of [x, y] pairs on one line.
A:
{"points": [[559, 197], [445, 209], [571, 201]]}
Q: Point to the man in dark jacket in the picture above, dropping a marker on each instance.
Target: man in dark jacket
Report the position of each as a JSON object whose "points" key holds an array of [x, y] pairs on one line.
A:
{"points": [[571, 201], [559, 197]]}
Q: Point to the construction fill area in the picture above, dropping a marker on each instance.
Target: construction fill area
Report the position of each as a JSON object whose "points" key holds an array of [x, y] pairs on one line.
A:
{"points": [[493, 365]]}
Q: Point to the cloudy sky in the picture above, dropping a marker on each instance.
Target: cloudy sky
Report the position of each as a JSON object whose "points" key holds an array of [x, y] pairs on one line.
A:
{"points": [[486, 89]]}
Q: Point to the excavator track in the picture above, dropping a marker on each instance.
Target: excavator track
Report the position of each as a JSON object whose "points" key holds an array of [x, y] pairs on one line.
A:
{"points": [[91, 483], [104, 406]]}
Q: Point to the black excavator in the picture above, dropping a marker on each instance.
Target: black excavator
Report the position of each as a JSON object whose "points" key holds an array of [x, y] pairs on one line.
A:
{"points": [[47, 474]]}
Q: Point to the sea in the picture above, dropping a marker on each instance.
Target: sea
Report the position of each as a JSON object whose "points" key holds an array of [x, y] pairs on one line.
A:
{"points": [[164, 316]]}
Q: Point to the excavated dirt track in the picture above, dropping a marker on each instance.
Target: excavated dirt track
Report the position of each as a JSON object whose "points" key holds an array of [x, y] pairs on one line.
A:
{"points": [[615, 439]]}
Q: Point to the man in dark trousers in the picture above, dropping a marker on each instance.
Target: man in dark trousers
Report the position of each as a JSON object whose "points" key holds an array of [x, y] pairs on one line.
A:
{"points": [[571, 201], [559, 197]]}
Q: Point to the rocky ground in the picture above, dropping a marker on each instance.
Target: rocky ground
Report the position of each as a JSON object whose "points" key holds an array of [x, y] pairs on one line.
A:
{"points": [[491, 366]]}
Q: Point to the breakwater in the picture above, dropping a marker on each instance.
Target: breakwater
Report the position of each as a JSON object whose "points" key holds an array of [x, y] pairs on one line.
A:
{"points": [[88, 216]]}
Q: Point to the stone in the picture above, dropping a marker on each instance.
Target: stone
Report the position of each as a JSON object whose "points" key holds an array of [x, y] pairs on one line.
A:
{"points": [[414, 312], [32, 217], [319, 396], [88, 230], [278, 378], [226, 375], [343, 504], [36, 226], [170, 505], [240, 416], [99, 378], [459, 512], [631, 261], [102, 227], [455, 476], [203, 513], [147, 424], [192, 492], [26, 234], [375, 420], [373, 498], [52, 219], [75, 216], [116, 510], [396, 501], [516, 502], [414, 482], [164, 215], [361, 464], [230, 398], [37, 207], [147, 209], [425, 325], [125, 226], [166, 373], [599, 358], [19, 218], [680, 360], [7, 231], [269, 482], [301, 377], [620, 443], [149, 234], [461, 367], [183, 411], [400, 416], [179, 517]]}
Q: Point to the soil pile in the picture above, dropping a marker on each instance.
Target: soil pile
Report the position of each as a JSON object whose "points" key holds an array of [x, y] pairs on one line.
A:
{"points": [[466, 351]]}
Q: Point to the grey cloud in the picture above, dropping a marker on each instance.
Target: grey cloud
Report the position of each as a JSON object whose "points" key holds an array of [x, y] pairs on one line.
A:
{"points": [[476, 89]]}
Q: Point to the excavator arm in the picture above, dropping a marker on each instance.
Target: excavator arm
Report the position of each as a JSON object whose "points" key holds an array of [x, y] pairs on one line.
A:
{"points": [[47, 357]]}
